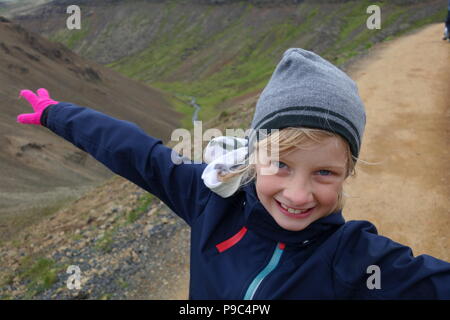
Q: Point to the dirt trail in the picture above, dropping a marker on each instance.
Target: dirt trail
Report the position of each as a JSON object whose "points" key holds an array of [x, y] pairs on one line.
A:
{"points": [[405, 85]]}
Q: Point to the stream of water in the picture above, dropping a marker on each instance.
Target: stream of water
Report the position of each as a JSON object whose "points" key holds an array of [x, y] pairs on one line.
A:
{"points": [[197, 109]]}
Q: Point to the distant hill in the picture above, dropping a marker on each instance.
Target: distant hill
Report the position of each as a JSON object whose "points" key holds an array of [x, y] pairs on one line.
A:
{"points": [[10, 8], [218, 50], [37, 168]]}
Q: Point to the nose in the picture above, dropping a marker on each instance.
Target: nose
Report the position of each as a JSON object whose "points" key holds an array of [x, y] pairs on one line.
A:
{"points": [[298, 192]]}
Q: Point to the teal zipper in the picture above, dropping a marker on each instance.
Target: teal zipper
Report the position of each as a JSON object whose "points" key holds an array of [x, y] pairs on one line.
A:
{"points": [[276, 256]]}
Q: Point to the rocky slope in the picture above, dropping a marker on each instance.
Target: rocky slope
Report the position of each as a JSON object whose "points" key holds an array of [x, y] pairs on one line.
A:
{"points": [[39, 170]]}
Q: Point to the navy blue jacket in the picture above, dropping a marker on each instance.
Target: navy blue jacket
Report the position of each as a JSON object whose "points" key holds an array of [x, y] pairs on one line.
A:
{"points": [[237, 250]]}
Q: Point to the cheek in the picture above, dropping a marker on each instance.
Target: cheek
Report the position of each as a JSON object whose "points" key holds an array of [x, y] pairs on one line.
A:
{"points": [[328, 195], [266, 186], [263, 184]]}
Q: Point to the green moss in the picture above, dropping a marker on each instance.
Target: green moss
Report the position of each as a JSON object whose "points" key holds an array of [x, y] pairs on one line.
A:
{"points": [[105, 243], [76, 237], [348, 47], [106, 296], [71, 38], [438, 17], [39, 275], [122, 283], [355, 18], [74, 37], [142, 207], [164, 55], [363, 40]]}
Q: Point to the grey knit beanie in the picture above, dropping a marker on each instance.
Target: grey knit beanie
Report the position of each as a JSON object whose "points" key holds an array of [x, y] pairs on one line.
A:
{"points": [[305, 90]]}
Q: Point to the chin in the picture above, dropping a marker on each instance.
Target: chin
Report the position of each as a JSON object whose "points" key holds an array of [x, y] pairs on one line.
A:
{"points": [[294, 228], [291, 225]]}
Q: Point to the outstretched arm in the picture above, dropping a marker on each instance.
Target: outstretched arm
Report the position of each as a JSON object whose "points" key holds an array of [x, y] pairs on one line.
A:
{"points": [[371, 266], [126, 150]]}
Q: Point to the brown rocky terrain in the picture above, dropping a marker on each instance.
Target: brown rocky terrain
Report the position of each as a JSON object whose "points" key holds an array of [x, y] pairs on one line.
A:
{"points": [[40, 171]]}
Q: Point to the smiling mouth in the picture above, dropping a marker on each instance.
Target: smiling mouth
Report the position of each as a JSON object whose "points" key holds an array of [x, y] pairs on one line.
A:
{"points": [[294, 213]]}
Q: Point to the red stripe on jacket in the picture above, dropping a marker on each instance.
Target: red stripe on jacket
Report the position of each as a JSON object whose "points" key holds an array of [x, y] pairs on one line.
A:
{"points": [[231, 241]]}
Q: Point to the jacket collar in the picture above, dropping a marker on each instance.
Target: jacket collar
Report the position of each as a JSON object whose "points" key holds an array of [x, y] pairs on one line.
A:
{"points": [[260, 221]]}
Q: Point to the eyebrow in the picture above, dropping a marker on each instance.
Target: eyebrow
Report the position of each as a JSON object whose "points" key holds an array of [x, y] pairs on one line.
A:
{"points": [[322, 165]]}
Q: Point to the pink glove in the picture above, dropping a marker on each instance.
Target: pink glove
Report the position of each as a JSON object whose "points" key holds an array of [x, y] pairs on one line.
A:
{"points": [[38, 102]]}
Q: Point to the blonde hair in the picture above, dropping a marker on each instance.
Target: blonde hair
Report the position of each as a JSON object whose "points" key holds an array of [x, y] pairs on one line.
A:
{"points": [[289, 139]]}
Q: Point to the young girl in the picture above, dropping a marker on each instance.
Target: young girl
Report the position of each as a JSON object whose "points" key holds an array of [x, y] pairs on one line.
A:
{"points": [[273, 228]]}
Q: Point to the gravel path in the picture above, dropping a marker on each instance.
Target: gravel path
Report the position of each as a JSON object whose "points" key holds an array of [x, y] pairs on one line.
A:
{"points": [[127, 247], [404, 84]]}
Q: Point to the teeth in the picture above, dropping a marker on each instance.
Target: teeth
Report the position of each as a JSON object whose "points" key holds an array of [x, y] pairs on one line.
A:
{"points": [[290, 210]]}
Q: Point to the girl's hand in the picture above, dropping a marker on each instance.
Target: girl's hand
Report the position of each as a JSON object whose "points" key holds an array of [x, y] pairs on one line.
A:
{"points": [[39, 102]]}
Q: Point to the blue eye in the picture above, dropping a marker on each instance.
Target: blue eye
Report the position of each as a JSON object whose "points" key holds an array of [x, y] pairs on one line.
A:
{"points": [[326, 171], [277, 163]]}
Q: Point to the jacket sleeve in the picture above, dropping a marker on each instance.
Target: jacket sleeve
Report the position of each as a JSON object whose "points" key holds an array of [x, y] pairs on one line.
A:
{"points": [[370, 266], [128, 151]]}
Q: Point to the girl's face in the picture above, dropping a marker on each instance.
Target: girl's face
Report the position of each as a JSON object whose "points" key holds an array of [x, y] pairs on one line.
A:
{"points": [[306, 180]]}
